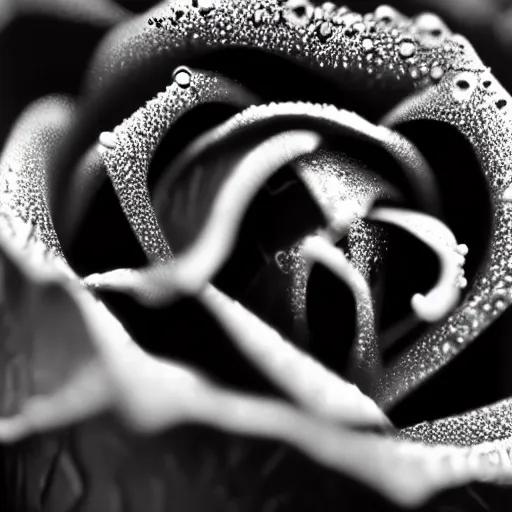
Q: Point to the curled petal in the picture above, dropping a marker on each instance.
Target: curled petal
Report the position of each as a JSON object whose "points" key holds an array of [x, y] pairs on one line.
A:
{"points": [[478, 107], [151, 395], [366, 356], [228, 24], [303, 378], [263, 120], [128, 150], [446, 293], [199, 264]]}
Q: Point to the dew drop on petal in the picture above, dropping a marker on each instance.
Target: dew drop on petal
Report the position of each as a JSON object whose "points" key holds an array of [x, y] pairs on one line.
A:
{"points": [[462, 249], [407, 49], [367, 45], [206, 6], [428, 22], [108, 139], [415, 74], [385, 13], [436, 73], [258, 17], [325, 30], [446, 348], [507, 195], [182, 76]]}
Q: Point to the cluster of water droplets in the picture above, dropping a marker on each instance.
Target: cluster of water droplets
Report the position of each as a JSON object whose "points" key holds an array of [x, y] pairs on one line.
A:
{"points": [[381, 44]]}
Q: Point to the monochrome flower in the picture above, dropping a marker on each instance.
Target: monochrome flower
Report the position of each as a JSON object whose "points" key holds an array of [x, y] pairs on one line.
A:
{"points": [[239, 248]]}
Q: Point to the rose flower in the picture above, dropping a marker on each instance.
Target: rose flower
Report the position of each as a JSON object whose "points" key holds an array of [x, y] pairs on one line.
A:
{"points": [[226, 262]]}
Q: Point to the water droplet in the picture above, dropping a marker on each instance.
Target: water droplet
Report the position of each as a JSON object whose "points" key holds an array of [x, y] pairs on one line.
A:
{"points": [[507, 195], [325, 30], [385, 14], [298, 12], [446, 348], [358, 27], [258, 17], [462, 249], [318, 14], [367, 45], [501, 104], [182, 76], [436, 73], [329, 7], [431, 24], [415, 74], [500, 305], [206, 6], [407, 49], [108, 139]]}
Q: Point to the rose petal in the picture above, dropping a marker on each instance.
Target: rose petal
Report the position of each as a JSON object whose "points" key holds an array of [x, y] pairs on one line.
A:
{"points": [[366, 359], [128, 150], [251, 170], [25, 160], [487, 425], [133, 63], [302, 377], [463, 101], [151, 395], [333, 124], [443, 297]]}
